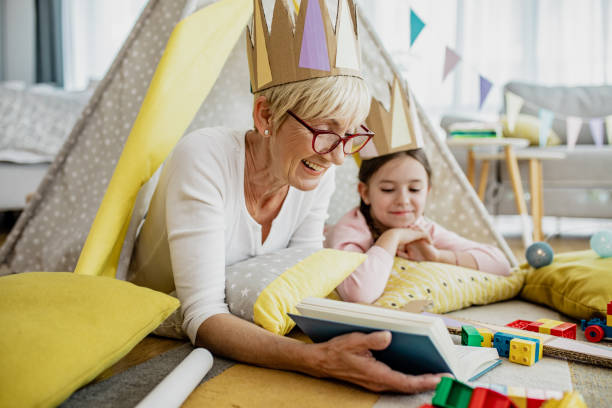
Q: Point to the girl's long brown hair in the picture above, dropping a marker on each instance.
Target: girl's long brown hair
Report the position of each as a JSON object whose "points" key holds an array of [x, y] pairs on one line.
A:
{"points": [[371, 166]]}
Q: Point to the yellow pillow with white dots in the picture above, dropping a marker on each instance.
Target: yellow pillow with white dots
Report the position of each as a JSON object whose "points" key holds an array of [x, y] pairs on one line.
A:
{"points": [[450, 287]]}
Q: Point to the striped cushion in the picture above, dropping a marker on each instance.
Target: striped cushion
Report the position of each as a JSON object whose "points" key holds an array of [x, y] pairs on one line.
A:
{"points": [[450, 287]]}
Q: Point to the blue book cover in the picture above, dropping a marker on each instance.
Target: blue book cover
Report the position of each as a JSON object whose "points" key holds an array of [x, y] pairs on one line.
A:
{"points": [[409, 353]]}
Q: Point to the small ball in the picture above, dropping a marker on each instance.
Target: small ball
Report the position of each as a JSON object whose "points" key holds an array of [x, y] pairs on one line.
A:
{"points": [[601, 243], [539, 254]]}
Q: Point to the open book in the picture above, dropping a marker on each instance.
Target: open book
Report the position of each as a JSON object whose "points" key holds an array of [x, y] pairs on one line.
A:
{"points": [[420, 344]]}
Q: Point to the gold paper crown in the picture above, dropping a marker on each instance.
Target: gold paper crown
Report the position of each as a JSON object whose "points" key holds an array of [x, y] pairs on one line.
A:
{"points": [[311, 49], [397, 129]]}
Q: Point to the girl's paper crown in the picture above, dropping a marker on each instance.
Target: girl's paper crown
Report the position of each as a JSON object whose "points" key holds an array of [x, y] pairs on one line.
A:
{"points": [[395, 130], [310, 49]]}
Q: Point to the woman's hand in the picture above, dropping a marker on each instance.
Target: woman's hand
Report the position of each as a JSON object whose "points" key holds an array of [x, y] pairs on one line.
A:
{"points": [[349, 358]]}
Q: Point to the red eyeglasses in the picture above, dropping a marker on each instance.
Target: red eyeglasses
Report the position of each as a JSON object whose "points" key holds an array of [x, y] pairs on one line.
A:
{"points": [[324, 141]]}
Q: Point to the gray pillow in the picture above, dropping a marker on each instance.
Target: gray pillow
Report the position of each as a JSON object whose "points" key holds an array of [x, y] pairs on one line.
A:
{"points": [[245, 280]]}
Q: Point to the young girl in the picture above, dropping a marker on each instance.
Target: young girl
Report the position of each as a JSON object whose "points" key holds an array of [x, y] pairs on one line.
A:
{"points": [[390, 222]]}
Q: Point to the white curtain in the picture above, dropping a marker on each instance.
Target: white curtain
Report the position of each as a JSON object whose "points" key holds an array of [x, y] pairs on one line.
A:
{"points": [[93, 32], [550, 42]]}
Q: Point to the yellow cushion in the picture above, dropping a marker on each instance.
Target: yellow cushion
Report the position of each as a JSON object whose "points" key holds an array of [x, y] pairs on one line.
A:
{"points": [[317, 276], [450, 287], [60, 330], [528, 127], [578, 284]]}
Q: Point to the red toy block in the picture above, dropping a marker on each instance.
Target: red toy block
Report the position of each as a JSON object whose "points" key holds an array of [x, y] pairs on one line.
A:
{"points": [[485, 398], [534, 326], [567, 330], [427, 406], [610, 307], [519, 324], [535, 398]]}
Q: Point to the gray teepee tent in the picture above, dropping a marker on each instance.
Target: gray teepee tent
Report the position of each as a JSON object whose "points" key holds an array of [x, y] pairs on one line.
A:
{"points": [[52, 230]]}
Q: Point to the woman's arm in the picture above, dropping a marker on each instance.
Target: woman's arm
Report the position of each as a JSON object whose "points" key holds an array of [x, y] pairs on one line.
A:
{"points": [[346, 357]]}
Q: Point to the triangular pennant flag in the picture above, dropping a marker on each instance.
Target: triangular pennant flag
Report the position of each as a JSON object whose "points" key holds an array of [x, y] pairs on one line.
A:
{"points": [[416, 26], [485, 88], [514, 103], [609, 129], [451, 59], [546, 119], [346, 55], [597, 131], [314, 54], [573, 125]]}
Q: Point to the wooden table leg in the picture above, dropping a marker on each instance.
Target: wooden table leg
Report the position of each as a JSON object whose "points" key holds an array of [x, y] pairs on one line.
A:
{"points": [[519, 197], [471, 164], [484, 174], [535, 185]]}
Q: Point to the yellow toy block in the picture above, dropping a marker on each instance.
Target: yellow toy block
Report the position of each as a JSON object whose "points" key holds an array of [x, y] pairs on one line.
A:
{"points": [[609, 320], [548, 324], [531, 335], [571, 399], [487, 337], [518, 395], [522, 351]]}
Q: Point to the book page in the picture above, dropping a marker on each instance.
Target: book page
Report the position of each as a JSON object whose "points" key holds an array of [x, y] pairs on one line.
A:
{"points": [[472, 360]]}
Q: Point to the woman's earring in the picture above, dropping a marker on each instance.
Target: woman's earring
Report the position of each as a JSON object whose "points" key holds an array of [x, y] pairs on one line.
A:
{"points": [[266, 132]]}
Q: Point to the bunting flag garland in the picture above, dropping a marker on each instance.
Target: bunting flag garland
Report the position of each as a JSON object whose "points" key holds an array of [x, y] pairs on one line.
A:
{"points": [[573, 125], [451, 59], [485, 88], [546, 119], [416, 26], [514, 103], [597, 131]]}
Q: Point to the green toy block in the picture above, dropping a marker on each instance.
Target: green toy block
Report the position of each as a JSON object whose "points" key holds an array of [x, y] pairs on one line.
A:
{"points": [[451, 393], [470, 336]]}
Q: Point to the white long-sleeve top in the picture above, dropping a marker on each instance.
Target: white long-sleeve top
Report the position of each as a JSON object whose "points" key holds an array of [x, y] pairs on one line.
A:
{"points": [[198, 223]]}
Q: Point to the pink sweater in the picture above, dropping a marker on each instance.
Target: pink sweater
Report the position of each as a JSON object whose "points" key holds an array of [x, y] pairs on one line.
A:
{"points": [[368, 282]]}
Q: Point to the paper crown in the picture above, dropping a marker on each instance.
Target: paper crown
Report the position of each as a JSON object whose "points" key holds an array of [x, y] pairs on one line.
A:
{"points": [[395, 130], [310, 49]]}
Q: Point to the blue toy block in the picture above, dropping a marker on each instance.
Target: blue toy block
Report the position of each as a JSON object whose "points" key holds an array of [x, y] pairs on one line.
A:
{"points": [[501, 341]]}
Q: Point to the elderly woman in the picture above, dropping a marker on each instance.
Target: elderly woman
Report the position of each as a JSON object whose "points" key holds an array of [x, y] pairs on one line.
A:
{"points": [[226, 195]]}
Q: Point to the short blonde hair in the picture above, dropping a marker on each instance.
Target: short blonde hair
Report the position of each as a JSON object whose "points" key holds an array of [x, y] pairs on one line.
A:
{"points": [[337, 97]]}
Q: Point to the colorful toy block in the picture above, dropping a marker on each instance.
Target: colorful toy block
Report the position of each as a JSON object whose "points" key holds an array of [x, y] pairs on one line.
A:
{"points": [[530, 397], [546, 326], [519, 324], [535, 397], [470, 336], [570, 399], [426, 406], [451, 393], [609, 320], [486, 398], [487, 337], [609, 308], [522, 351], [501, 341], [518, 396]]}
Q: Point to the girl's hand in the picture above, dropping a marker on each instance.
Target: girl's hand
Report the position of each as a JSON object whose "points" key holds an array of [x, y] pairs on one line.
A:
{"points": [[420, 250], [349, 358]]}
